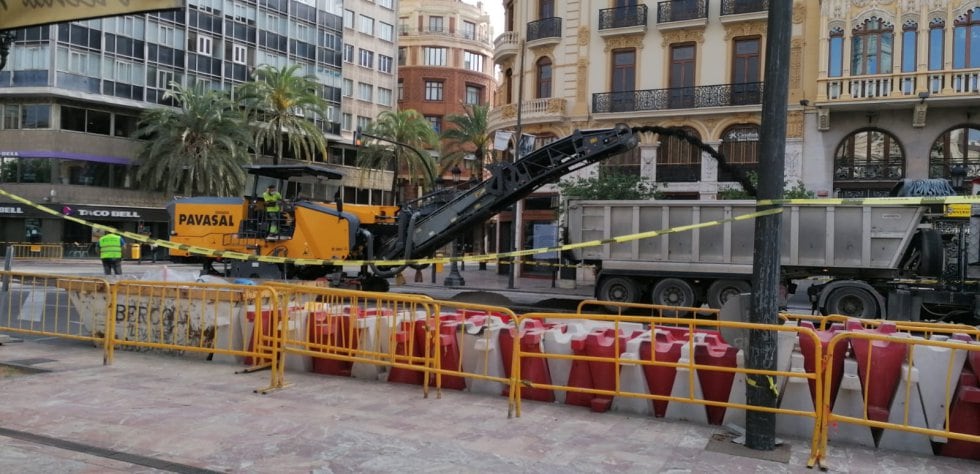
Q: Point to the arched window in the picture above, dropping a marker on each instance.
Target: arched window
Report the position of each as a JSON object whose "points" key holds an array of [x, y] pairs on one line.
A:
{"points": [[625, 163], [868, 162], [740, 145], [508, 85], [543, 68], [835, 68], [959, 145], [871, 47], [966, 40], [678, 160]]}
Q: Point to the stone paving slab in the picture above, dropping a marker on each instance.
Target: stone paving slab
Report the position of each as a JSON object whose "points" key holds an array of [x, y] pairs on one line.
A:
{"points": [[195, 414]]}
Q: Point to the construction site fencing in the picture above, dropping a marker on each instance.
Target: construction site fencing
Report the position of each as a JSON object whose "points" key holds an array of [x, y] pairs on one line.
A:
{"points": [[397, 338], [229, 322], [921, 328], [894, 390], [51, 305], [31, 251], [677, 368]]}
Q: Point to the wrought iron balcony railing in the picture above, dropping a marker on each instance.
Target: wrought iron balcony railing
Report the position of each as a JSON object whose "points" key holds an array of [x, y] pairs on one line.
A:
{"points": [[622, 17], [680, 10], [544, 28], [722, 95], [735, 7]]}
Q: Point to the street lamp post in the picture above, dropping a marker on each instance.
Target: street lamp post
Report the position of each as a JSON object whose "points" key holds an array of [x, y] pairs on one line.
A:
{"points": [[454, 278]]}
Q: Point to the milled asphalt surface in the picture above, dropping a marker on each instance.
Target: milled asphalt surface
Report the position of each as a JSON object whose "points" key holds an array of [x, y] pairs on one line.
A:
{"points": [[155, 413]]}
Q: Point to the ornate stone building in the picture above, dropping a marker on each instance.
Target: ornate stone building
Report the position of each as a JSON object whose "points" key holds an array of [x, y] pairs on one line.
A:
{"points": [[695, 64]]}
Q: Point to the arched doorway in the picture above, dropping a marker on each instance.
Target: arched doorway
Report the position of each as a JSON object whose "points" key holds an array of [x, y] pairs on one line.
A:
{"points": [[679, 161], [868, 163], [957, 146]]}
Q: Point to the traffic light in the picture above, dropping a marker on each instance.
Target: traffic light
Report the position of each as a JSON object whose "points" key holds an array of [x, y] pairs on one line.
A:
{"points": [[357, 137]]}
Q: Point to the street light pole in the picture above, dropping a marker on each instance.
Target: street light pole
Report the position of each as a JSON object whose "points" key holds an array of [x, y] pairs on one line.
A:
{"points": [[454, 278], [512, 271]]}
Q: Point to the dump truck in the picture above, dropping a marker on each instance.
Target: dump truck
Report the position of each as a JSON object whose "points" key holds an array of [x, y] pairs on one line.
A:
{"points": [[904, 262]]}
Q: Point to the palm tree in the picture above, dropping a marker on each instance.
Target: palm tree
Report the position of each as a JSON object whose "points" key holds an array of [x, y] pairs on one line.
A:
{"points": [[409, 129], [200, 147], [281, 107], [467, 134]]}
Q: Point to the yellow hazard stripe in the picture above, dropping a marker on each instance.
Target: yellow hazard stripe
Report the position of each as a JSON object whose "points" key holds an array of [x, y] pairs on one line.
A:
{"points": [[231, 255]]}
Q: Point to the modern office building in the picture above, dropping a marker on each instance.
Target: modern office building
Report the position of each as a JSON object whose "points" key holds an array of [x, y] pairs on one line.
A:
{"points": [[695, 64], [896, 95], [71, 95]]}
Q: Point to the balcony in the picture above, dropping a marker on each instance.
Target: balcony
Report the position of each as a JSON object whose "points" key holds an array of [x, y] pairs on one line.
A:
{"points": [[546, 31], [744, 7], [548, 110], [506, 46], [722, 95], [623, 20], [962, 83], [405, 30], [690, 12]]}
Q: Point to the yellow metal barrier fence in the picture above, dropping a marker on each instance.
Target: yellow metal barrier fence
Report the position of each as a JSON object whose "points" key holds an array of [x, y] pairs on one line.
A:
{"points": [[37, 251], [926, 329], [642, 337], [904, 386], [233, 323], [399, 338], [50, 305]]}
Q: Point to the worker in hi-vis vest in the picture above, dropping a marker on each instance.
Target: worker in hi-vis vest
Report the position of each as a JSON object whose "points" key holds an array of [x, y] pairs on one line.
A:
{"points": [[111, 252], [273, 210]]}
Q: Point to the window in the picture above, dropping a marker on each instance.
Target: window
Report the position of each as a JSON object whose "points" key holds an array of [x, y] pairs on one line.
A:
{"points": [[348, 53], [11, 117], [867, 163], [367, 58], [401, 89], [346, 121], [348, 19], [740, 145], [385, 64], [836, 53], [436, 122], [623, 80], [363, 122], [433, 56], [204, 45], [956, 146], [365, 24], [435, 24], [402, 54], [469, 30], [84, 120], [384, 96], [389, 4], [35, 116], [365, 91], [682, 66], [348, 88], [473, 61], [623, 164], [474, 95], [386, 31], [433, 90], [543, 69], [909, 42], [546, 9], [966, 40], [871, 47], [937, 38], [678, 160], [239, 54], [745, 72]]}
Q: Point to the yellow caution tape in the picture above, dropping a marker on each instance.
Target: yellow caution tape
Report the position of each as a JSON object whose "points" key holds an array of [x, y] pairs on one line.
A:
{"points": [[772, 384], [232, 255]]}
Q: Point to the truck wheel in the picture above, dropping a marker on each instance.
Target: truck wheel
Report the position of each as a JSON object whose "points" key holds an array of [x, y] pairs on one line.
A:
{"points": [[673, 292], [930, 253], [721, 290], [853, 302], [620, 290]]}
